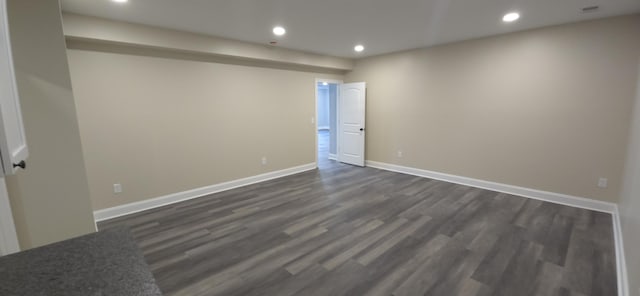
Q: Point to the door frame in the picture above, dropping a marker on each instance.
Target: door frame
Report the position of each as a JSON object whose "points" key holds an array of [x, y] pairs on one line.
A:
{"points": [[8, 237], [315, 118]]}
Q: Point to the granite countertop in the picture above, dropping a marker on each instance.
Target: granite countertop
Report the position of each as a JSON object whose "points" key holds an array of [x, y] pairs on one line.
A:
{"points": [[103, 263]]}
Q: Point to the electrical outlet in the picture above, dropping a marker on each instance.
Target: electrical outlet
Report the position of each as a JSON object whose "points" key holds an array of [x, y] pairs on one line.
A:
{"points": [[117, 188], [313, 120], [602, 182], [399, 153], [264, 160]]}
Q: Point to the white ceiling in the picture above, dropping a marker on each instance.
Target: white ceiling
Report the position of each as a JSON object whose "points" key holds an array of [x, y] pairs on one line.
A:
{"points": [[333, 27]]}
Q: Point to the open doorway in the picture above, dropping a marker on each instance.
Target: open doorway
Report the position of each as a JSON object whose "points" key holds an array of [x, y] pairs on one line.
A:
{"points": [[326, 127], [340, 130]]}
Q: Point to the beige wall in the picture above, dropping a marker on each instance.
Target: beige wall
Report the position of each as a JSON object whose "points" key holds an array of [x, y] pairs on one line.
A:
{"points": [[50, 199], [630, 200], [547, 109], [87, 28], [160, 126]]}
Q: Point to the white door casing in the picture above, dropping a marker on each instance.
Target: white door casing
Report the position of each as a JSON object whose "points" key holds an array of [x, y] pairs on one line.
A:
{"points": [[13, 145], [315, 122], [351, 123]]}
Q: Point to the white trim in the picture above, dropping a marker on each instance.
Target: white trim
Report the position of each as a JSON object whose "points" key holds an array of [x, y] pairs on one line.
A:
{"points": [[8, 237], [558, 198], [330, 81], [13, 141], [126, 209], [315, 107], [333, 156], [621, 262], [315, 120]]}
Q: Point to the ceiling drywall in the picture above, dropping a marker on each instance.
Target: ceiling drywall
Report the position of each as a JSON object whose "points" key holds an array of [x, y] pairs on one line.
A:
{"points": [[333, 27]]}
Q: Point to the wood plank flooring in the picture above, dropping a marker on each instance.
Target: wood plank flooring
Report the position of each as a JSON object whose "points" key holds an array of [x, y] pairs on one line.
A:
{"points": [[343, 230]]}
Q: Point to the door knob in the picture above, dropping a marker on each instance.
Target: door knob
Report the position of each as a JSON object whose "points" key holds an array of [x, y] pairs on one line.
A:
{"points": [[361, 129], [21, 164]]}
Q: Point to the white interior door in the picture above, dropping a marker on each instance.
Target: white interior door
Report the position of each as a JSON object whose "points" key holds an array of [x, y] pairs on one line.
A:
{"points": [[351, 115], [13, 143]]}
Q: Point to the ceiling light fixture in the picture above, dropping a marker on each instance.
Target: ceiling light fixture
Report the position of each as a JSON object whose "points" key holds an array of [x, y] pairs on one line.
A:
{"points": [[279, 31], [120, 1], [510, 17], [358, 48]]}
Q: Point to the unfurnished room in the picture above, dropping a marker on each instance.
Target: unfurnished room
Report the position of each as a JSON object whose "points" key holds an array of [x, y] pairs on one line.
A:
{"points": [[298, 147]]}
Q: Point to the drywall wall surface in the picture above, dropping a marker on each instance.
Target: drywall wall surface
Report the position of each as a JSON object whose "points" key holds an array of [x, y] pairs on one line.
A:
{"points": [[548, 109], [159, 126], [93, 29]]}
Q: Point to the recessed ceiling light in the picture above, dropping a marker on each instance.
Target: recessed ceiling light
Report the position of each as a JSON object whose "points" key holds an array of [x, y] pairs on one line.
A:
{"points": [[510, 17], [279, 31], [120, 1], [358, 48]]}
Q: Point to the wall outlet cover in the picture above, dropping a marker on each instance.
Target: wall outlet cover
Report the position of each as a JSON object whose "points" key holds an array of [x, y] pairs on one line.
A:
{"points": [[602, 182]]}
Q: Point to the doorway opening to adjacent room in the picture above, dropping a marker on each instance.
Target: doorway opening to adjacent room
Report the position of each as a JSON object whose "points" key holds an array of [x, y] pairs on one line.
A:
{"points": [[326, 121], [340, 122]]}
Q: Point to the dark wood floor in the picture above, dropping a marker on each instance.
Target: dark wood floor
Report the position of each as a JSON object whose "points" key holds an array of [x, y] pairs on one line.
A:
{"points": [[343, 230]]}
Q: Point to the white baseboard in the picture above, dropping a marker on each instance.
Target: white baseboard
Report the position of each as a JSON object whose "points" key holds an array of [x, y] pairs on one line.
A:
{"points": [[333, 156], [621, 262], [558, 198], [126, 209]]}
